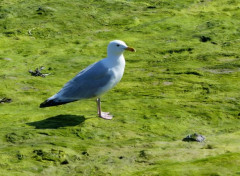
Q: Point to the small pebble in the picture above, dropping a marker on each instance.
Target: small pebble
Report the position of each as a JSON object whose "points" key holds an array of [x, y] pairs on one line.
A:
{"points": [[7, 59], [5, 100], [37, 72], [194, 137]]}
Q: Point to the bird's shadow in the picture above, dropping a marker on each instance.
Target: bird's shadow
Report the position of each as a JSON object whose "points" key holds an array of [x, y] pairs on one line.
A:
{"points": [[58, 121]]}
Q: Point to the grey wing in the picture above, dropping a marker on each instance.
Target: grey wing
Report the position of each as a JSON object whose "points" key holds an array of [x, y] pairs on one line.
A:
{"points": [[86, 84]]}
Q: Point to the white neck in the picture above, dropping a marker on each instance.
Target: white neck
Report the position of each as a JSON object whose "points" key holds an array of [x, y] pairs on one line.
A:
{"points": [[116, 60], [113, 54]]}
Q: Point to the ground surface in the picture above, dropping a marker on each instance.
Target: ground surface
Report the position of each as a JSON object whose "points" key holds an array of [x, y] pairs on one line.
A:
{"points": [[184, 78]]}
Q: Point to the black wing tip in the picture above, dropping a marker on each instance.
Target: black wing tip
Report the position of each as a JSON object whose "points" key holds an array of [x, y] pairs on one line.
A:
{"points": [[49, 103], [44, 104]]}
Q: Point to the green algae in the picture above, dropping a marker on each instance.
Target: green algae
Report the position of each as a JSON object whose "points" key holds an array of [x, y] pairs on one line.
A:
{"points": [[184, 78]]}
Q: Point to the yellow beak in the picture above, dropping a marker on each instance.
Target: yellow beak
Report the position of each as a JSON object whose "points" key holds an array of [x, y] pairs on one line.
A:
{"points": [[130, 49]]}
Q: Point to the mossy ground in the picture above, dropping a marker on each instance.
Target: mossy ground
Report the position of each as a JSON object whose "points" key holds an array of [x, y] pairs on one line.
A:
{"points": [[184, 78]]}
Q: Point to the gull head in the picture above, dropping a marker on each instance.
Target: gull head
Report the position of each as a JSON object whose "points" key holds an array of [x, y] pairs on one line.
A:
{"points": [[117, 47]]}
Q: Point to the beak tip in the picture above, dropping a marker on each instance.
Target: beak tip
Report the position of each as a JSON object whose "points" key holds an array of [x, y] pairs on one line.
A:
{"points": [[131, 49]]}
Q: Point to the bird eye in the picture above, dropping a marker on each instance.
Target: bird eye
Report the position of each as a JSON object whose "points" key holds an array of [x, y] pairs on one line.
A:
{"points": [[118, 45]]}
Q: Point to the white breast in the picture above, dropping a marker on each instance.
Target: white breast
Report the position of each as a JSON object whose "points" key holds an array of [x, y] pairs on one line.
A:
{"points": [[116, 69]]}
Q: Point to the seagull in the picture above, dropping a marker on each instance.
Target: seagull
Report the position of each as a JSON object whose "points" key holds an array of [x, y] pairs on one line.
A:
{"points": [[94, 80]]}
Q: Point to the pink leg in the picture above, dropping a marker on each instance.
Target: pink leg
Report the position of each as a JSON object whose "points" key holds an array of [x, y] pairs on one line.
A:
{"points": [[104, 115]]}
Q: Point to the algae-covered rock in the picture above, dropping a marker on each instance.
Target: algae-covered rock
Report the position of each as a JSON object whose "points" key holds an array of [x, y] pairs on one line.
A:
{"points": [[56, 156], [45, 10], [18, 137]]}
